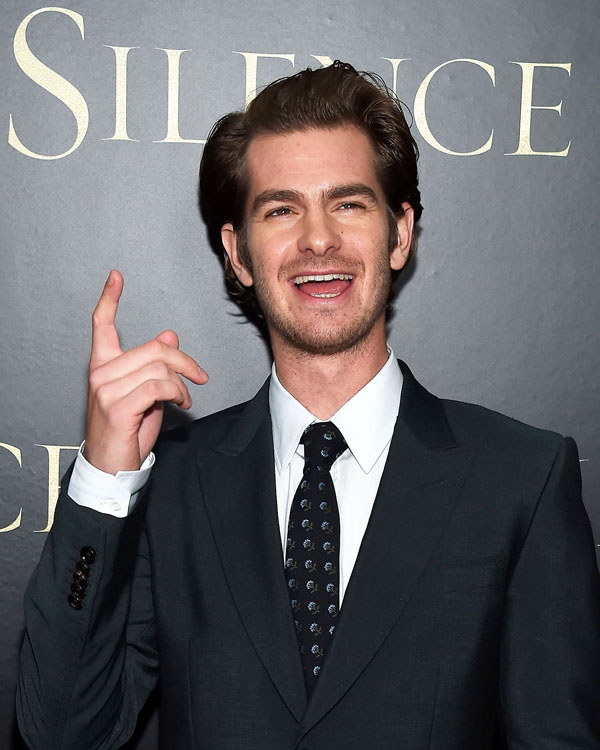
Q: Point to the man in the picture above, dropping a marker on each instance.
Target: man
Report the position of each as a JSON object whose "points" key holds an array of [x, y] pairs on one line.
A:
{"points": [[345, 561]]}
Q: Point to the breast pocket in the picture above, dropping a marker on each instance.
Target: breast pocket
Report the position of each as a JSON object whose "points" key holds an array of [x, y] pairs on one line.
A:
{"points": [[474, 573]]}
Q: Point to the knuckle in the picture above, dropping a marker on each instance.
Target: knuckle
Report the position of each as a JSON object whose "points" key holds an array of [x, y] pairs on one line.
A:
{"points": [[96, 379], [155, 348], [151, 387], [161, 370], [102, 397]]}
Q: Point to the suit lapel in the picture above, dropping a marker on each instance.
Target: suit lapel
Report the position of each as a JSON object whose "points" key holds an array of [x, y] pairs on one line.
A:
{"points": [[420, 483], [238, 483]]}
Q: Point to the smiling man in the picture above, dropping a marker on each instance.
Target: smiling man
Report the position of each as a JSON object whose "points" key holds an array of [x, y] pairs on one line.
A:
{"points": [[319, 248], [346, 561]]}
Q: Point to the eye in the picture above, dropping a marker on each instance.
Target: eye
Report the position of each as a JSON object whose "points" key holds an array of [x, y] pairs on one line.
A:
{"points": [[281, 211], [349, 206]]}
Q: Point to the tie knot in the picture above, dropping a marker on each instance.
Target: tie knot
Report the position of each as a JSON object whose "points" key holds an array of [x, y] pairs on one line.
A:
{"points": [[323, 443]]}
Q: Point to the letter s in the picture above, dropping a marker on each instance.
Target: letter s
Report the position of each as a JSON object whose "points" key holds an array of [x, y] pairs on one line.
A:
{"points": [[50, 81]]}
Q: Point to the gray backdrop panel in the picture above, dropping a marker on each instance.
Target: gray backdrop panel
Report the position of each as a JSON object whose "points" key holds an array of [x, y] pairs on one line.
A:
{"points": [[500, 307]]}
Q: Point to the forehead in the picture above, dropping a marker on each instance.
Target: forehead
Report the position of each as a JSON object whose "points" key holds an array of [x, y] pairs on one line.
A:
{"points": [[309, 161]]}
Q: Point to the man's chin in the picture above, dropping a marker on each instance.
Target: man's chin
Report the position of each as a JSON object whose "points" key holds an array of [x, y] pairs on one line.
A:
{"points": [[325, 342]]}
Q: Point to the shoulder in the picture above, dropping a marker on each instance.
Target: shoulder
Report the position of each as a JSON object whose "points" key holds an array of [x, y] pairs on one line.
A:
{"points": [[469, 421], [508, 451], [440, 422], [180, 451], [223, 431], [204, 433]]}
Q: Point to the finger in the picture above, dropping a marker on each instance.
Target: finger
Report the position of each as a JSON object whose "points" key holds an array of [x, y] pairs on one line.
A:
{"points": [[105, 339], [132, 407], [140, 356], [115, 390], [169, 337], [172, 339]]}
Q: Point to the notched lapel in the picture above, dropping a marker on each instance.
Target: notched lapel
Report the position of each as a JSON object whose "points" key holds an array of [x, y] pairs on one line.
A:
{"points": [[238, 485], [421, 481]]}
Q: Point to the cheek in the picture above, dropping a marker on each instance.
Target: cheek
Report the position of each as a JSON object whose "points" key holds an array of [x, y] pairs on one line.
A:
{"points": [[266, 269], [366, 240], [269, 248]]}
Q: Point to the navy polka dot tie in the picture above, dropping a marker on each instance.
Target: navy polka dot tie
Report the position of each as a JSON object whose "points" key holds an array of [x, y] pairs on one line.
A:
{"points": [[313, 549]]}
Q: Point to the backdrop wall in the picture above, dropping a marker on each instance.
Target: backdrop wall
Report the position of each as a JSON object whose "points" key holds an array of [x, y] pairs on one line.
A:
{"points": [[105, 108]]}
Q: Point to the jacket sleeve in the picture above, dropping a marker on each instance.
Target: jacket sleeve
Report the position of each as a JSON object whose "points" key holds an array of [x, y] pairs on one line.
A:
{"points": [[86, 672], [550, 654]]}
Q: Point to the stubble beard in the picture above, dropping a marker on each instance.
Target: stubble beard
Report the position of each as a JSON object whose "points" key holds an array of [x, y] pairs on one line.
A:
{"points": [[325, 334]]}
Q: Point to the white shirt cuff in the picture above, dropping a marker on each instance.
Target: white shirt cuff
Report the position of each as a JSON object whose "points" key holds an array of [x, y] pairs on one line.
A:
{"points": [[113, 494]]}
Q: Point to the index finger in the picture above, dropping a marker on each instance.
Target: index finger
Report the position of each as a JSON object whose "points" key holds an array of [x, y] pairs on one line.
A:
{"points": [[105, 339]]}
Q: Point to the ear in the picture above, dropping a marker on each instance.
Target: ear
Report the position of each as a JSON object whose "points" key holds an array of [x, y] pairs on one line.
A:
{"points": [[405, 223], [230, 243]]}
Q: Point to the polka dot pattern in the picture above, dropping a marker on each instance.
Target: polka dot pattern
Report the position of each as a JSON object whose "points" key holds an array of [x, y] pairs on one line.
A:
{"points": [[312, 554]]}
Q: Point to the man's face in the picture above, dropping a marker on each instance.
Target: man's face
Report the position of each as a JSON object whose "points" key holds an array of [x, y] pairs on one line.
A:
{"points": [[318, 237]]}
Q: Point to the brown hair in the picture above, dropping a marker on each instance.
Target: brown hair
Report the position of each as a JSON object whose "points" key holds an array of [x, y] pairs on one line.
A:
{"points": [[324, 98]]}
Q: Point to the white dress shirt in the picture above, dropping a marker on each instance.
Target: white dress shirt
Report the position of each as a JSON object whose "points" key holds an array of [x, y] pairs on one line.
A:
{"points": [[367, 423]]}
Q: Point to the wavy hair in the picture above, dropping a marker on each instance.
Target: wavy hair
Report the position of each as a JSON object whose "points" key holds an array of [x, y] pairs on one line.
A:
{"points": [[323, 98]]}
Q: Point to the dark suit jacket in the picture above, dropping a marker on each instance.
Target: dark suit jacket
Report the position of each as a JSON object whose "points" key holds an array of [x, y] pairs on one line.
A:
{"points": [[471, 621]]}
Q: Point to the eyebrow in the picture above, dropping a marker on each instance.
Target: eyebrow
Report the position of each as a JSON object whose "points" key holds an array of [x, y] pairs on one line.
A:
{"points": [[333, 193], [274, 196], [348, 191]]}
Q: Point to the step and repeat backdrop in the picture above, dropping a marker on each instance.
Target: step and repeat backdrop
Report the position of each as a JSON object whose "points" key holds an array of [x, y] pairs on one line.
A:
{"points": [[105, 108]]}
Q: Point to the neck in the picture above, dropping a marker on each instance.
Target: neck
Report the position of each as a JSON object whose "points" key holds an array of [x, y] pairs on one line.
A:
{"points": [[323, 383]]}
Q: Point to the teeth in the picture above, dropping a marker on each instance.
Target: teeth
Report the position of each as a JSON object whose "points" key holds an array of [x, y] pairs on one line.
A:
{"points": [[323, 277], [336, 294]]}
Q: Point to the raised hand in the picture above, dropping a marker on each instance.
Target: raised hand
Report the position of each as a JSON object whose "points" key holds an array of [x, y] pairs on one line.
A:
{"points": [[127, 389]]}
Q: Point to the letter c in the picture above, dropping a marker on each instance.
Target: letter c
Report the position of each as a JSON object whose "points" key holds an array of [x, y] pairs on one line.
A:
{"points": [[421, 117]]}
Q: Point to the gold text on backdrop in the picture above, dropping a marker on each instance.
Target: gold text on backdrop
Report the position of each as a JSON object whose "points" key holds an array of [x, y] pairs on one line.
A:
{"points": [[72, 98], [54, 473]]}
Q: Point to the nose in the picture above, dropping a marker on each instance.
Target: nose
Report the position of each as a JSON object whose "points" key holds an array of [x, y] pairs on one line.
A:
{"points": [[319, 234]]}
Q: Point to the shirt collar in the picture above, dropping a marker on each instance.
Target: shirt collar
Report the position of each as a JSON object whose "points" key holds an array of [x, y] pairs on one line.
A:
{"points": [[366, 421]]}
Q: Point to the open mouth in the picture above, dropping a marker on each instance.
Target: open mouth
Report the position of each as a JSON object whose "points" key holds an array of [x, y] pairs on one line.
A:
{"points": [[325, 285]]}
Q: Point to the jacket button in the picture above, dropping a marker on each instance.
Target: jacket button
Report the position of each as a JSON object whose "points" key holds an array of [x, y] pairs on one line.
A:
{"points": [[82, 570], [74, 601], [80, 580], [87, 555], [78, 589]]}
